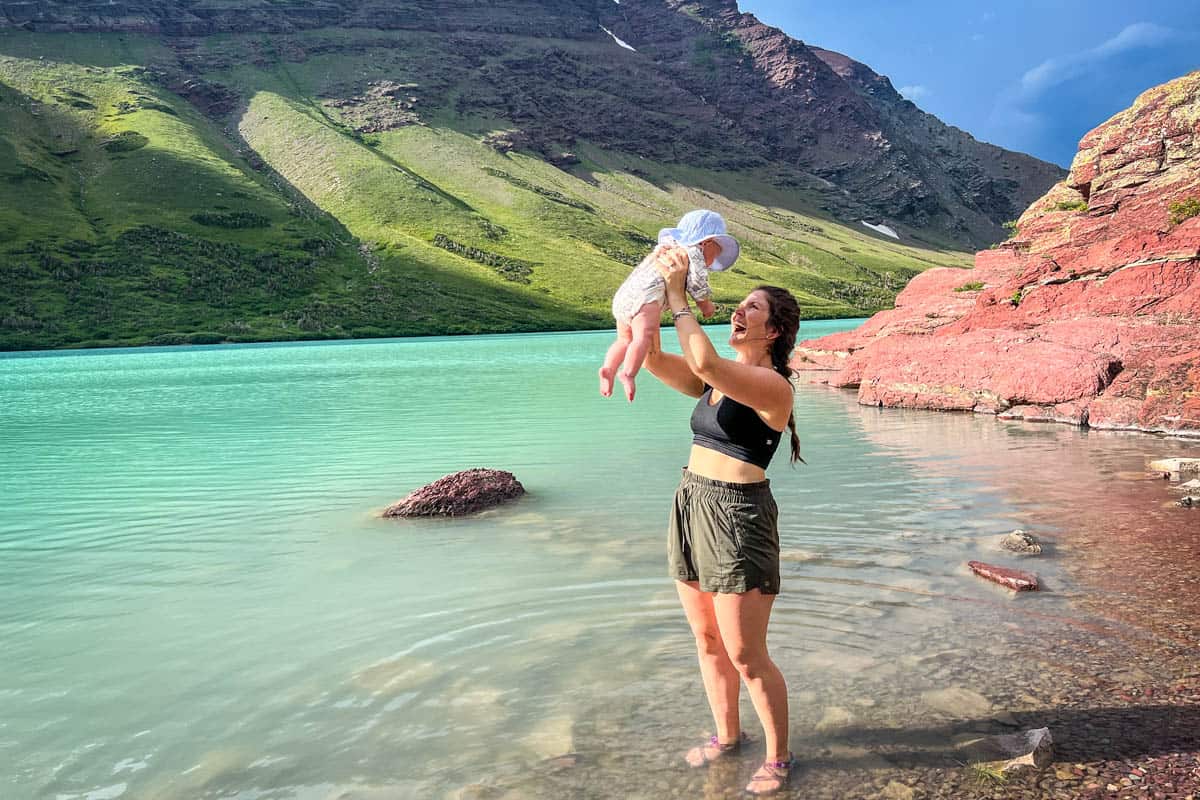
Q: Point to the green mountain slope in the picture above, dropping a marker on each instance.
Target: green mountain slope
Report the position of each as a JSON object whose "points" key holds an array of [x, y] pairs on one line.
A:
{"points": [[257, 208]]}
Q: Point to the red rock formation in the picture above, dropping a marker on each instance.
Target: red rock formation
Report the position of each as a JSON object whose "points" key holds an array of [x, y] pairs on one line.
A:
{"points": [[1088, 315]]}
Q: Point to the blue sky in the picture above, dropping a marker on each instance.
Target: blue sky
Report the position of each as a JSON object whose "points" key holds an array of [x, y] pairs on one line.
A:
{"points": [[1028, 76]]}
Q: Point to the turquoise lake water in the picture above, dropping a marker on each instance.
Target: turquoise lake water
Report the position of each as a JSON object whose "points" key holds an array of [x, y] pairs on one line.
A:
{"points": [[199, 599]]}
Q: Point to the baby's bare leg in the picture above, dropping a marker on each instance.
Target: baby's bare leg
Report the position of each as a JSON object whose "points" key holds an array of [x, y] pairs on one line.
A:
{"points": [[613, 358], [645, 329]]}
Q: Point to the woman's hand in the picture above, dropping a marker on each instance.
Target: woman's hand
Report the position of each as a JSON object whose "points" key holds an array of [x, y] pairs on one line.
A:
{"points": [[672, 263]]}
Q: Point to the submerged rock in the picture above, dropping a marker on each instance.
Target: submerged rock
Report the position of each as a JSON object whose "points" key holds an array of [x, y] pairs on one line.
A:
{"points": [[1021, 542], [466, 492], [957, 701], [1015, 579]]}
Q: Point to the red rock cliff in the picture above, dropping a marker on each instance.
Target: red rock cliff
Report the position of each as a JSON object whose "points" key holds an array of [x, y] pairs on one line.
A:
{"points": [[1090, 314]]}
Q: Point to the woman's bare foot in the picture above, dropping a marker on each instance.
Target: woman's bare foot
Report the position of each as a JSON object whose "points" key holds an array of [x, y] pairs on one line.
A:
{"points": [[627, 381], [606, 381], [711, 750]]}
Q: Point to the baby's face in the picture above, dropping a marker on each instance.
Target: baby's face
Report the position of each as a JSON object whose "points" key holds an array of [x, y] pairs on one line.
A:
{"points": [[711, 250]]}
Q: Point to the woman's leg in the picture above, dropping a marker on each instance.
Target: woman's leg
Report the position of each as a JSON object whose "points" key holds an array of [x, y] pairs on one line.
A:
{"points": [[721, 680], [645, 327], [742, 620], [614, 357]]}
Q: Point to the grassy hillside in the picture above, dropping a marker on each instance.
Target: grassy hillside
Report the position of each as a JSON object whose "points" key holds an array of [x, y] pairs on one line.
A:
{"points": [[128, 217]]}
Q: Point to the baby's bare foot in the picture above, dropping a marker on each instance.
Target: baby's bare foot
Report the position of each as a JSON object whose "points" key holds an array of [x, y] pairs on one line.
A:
{"points": [[606, 382], [627, 381]]}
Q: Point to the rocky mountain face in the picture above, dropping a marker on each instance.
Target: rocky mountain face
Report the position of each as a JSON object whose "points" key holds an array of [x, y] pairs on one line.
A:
{"points": [[697, 83], [834, 118], [1089, 315]]}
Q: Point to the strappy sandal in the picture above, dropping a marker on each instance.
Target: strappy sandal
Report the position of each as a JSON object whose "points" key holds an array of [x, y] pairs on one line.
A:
{"points": [[718, 749], [780, 772]]}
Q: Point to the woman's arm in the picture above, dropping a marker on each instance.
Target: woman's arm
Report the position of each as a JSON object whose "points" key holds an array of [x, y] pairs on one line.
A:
{"points": [[672, 370], [761, 388]]}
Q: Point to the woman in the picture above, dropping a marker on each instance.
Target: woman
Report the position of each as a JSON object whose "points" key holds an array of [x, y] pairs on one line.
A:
{"points": [[723, 543]]}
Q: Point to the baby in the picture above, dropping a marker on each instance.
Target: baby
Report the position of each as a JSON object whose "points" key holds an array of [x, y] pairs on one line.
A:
{"points": [[638, 303]]}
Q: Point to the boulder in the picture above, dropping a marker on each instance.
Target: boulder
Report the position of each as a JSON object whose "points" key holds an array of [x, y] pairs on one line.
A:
{"points": [[458, 494], [1015, 579], [1021, 542], [1090, 315]]}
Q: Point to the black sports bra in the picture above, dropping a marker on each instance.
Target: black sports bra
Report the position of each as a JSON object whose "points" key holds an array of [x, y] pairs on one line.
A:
{"points": [[733, 429]]}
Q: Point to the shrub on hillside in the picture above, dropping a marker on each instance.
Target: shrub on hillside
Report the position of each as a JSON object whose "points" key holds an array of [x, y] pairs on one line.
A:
{"points": [[973, 286], [511, 269], [232, 219], [125, 141], [1067, 205], [549, 194], [1184, 209]]}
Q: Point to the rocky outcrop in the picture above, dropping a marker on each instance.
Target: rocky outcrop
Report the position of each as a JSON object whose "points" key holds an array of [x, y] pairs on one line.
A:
{"points": [[1090, 314], [850, 135], [467, 492]]}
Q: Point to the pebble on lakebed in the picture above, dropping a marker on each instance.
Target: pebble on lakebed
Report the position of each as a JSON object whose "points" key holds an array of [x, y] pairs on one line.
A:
{"points": [[467, 492]]}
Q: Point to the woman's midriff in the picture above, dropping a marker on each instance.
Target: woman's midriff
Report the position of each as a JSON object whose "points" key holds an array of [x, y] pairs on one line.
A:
{"points": [[720, 467]]}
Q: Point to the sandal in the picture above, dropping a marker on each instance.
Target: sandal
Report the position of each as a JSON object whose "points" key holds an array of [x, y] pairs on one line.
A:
{"points": [[712, 750], [776, 772]]}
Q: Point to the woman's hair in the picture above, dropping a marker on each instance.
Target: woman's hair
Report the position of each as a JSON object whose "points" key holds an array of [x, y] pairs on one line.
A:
{"points": [[784, 317]]}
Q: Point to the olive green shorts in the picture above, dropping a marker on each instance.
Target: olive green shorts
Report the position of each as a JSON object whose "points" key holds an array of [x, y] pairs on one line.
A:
{"points": [[724, 535]]}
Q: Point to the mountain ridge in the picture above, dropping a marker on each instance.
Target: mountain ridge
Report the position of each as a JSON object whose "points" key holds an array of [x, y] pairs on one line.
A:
{"points": [[493, 167]]}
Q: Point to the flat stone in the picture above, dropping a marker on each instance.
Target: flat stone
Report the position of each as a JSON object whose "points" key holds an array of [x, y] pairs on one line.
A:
{"points": [[897, 791], [1012, 752], [1015, 579]]}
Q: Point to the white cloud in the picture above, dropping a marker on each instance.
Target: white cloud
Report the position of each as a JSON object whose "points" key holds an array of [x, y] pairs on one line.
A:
{"points": [[915, 92], [1053, 71]]}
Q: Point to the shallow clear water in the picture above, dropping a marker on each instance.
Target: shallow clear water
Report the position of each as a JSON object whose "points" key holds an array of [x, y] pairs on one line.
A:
{"points": [[198, 598]]}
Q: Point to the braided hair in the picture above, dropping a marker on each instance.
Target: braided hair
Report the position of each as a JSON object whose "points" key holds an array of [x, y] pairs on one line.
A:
{"points": [[784, 317]]}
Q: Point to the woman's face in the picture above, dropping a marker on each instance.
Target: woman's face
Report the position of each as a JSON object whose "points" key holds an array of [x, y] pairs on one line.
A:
{"points": [[749, 320]]}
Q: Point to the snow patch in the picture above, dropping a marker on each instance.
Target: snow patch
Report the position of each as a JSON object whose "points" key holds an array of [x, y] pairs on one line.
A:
{"points": [[884, 229], [615, 39]]}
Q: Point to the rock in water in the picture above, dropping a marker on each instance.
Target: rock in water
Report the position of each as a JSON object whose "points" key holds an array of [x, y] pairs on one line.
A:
{"points": [[1013, 752], [1014, 579], [466, 492], [1021, 542]]}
